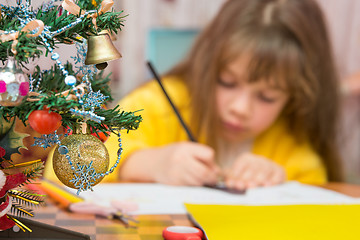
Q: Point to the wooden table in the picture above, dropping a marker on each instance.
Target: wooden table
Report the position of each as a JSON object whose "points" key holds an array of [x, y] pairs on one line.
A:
{"points": [[344, 188], [149, 228]]}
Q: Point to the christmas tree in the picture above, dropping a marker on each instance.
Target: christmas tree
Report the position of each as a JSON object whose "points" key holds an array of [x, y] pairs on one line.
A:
{"points": [[67, 98]]}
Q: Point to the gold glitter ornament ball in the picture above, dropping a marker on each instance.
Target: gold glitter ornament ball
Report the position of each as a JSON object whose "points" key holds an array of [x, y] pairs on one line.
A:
{"points": [[82, 149]]}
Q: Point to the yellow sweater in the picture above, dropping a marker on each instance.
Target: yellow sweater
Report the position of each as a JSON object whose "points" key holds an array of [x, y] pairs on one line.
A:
{"points": [[160, 126]]}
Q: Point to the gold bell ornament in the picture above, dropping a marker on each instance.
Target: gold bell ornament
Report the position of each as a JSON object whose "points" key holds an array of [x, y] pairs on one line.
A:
{"points": [[80, 161], [14, 84], [101, 50]]}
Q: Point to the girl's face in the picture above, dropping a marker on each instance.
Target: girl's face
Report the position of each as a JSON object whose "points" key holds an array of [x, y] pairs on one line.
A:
{"points": [[246, 109]]}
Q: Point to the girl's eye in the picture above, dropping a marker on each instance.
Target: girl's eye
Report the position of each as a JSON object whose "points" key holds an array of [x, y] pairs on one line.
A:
{"points": [[226, 83], [263, 97]]}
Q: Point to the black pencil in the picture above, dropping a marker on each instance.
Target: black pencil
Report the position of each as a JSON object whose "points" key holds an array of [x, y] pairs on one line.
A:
{"points": [[157, 77], [220, 185]]}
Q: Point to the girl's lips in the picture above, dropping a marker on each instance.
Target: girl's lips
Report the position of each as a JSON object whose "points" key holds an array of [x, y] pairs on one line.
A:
{"points": [[233, 127]]}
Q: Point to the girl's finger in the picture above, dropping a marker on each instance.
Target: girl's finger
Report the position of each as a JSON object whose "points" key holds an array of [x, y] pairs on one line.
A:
{"points": [[278, 176], [202, 173]]}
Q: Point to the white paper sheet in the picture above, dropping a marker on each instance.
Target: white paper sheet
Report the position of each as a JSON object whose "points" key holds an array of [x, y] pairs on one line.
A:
{"points": [[165, 199]]}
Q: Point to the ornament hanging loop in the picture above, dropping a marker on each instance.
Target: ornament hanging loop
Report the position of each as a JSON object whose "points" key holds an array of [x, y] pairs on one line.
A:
{"points": [[84, 127], [13, 46]]}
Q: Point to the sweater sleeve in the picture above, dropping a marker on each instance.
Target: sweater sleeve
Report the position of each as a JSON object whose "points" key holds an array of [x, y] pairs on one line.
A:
{"points": [[159, 125], [305, 166], [299, 159]]}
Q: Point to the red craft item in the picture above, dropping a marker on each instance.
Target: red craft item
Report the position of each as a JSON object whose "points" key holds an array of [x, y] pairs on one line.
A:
{"points": [[11, 182], [44, 122], [182, 233], [8, 182]]}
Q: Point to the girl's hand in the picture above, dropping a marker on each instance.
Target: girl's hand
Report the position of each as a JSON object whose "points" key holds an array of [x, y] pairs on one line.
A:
{"points": [[250, 170], [186, 163]]}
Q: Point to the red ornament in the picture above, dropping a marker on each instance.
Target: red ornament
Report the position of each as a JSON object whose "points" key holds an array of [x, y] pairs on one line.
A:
{"points": [[44, 122], [100, 135], [2, 152]]}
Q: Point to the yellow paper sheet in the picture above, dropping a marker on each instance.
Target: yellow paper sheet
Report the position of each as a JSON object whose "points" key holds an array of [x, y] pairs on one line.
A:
{"points": [[278, 222]]}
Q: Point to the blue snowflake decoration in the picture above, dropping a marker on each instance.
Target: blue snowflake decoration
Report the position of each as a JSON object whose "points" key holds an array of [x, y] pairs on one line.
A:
{"points": [[46, 141], [94, 100], [85, 177], [86, 70]]}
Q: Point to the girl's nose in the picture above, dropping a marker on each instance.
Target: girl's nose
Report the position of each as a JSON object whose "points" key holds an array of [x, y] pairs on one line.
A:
{"points": [[241, 104]]}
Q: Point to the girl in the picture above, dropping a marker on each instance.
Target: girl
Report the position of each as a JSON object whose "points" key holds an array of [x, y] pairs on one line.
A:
{"points": [[258, 90]]}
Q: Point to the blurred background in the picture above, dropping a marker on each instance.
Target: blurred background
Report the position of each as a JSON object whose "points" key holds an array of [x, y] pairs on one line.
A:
{"points": [[151, 22], [163, 30], [148, 21]]}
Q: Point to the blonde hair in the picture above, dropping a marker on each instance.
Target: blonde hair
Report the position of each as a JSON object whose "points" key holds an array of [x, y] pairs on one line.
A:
{"points": [[286, 39]]}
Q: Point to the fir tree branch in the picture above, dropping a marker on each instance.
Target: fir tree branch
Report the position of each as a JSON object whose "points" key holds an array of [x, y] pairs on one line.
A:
{"points": [[52, 83], [20, 211], [24, 197], [30, 48]]}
